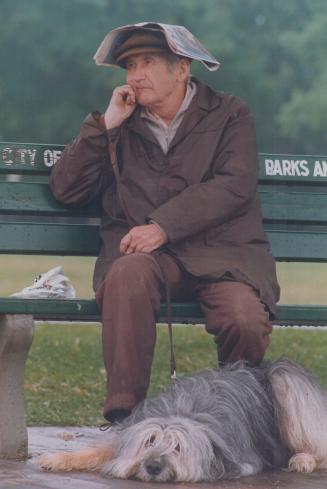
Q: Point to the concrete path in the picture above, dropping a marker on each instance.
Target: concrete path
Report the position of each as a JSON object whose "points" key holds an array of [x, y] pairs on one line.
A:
{"points": [[25, 475]]}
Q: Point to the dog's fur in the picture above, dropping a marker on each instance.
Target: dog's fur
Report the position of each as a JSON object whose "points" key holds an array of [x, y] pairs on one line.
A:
{"points": [[224, 423]]}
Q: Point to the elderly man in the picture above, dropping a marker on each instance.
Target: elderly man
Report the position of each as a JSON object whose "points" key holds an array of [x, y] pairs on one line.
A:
{"points": [[180, 207]]}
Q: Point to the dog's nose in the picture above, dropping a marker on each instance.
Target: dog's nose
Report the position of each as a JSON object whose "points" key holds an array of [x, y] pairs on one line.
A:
{"points": [[153, 467]]}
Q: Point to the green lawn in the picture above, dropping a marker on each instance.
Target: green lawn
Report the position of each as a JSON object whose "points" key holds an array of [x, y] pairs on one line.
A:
{"points": [[65, 379]]}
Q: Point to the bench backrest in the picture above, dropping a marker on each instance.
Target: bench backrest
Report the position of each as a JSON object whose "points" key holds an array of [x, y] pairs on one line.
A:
{"points": [[292, 189]]}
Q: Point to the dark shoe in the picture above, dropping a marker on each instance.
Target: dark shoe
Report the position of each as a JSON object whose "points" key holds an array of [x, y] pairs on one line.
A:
{"points": [[113, 418], [116, 416]]}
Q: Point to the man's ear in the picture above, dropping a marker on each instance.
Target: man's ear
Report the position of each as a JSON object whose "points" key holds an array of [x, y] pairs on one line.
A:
{"points": [[184, 69]]}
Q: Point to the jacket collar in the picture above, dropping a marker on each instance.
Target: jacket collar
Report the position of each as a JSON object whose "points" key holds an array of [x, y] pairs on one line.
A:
{"points": [[206, 98]]}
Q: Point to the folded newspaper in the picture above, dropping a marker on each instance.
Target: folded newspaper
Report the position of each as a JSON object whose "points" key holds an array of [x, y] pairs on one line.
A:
{"points": [[179, 39], [50, 285]]}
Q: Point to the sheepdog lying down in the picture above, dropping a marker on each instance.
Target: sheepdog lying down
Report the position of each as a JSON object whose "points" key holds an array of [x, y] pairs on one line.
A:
{"points": [[226, 423]]}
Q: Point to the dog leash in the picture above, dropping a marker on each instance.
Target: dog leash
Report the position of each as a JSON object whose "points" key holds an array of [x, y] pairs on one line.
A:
{"points": [[173, 370], [155, 254]]}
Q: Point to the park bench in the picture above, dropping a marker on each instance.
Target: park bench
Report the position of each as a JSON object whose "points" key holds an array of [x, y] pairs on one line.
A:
{"points": [[294, 201]]}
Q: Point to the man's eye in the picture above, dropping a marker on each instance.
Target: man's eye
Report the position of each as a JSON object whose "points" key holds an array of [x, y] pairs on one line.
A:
{"points": [[129, 65]]}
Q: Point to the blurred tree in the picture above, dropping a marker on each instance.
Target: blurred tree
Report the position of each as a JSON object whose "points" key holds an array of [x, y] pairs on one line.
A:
{"points": [[50, 78], [271, 54], [303, 117]]}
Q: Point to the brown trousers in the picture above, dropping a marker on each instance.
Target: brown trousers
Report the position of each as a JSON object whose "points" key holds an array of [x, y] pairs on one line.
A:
{"points": [[129, 299]]}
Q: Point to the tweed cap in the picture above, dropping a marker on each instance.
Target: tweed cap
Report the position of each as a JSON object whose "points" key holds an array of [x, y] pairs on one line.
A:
{"points": [[140, 42], [175, 38]]}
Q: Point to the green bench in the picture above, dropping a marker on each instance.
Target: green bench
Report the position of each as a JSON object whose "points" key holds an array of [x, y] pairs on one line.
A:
{"points": [[294, 202]]}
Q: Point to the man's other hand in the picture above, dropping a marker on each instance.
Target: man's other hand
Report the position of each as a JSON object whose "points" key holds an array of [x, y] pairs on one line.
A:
{"points": [[121, 106], [144, 239]]}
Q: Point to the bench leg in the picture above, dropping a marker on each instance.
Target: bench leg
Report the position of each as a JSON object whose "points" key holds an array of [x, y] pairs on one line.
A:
{"points": [[16, 334]]}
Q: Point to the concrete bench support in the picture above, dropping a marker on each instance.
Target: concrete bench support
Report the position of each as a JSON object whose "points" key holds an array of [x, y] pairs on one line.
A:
{"points": [[16, 335]]}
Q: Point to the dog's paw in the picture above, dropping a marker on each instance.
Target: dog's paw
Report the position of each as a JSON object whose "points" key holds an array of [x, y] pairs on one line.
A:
{"points": [[52, 461], [302, 462]]}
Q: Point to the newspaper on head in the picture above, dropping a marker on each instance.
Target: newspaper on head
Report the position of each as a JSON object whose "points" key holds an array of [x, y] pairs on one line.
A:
{"points": [[180, 40]]}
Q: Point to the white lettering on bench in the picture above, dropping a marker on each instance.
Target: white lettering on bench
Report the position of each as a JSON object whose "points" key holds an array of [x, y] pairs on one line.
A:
{"points": [[20, 156], [50, 157], [320, 169], [5, 156], [32, 155], [289, 168]]}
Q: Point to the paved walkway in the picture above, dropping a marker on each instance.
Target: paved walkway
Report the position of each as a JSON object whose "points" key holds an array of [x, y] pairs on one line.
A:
{"points": [[25, 475]]}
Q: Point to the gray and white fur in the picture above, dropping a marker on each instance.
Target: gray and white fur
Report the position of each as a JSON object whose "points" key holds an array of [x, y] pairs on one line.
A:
{"points": [[217, 424]]}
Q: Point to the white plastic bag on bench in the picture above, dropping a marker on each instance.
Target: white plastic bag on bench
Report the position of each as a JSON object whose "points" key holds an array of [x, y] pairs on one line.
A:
{"points": [[50, 285]]}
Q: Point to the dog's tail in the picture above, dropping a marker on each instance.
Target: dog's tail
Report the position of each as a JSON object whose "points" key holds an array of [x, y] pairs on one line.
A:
{"points": [[301, 413]]}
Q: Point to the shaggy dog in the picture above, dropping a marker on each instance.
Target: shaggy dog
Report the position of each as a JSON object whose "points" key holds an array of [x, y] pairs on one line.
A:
{"points": [[226, 423]]}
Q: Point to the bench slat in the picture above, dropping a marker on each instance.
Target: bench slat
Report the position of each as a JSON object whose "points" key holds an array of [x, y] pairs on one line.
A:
{"points": [[281, 168], [49, 239], [83, 240], [286, 205], [38, 159], [35, 198], [294, 246], [28, 158], [87, 310]]}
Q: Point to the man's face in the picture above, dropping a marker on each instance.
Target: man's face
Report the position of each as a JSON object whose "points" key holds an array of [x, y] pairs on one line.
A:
{"points": [[153, 80]]}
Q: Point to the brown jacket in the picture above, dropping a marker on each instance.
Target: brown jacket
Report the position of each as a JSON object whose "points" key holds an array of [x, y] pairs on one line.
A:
{"points": [[203, 193]]}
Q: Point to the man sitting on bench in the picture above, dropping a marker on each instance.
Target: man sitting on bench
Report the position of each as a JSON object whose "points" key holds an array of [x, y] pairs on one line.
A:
{"points": [[178, 187]]}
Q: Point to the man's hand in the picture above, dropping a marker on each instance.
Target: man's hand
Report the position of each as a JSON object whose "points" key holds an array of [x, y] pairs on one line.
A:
{"points": [[142, 239], [121, 106]]}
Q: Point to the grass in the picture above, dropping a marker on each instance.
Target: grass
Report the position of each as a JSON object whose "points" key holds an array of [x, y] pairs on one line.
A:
{"points": [[65, 378]]}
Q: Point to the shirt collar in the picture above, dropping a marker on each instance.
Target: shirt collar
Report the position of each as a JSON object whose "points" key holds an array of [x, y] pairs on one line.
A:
{"points": [[145, 113]]}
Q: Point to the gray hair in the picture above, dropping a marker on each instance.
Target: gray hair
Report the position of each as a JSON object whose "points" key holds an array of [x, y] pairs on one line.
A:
{"points": [[173, 59]]}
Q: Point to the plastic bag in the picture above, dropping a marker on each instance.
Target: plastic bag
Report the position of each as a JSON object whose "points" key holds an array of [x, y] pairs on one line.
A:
{"points": [[50, 285]]}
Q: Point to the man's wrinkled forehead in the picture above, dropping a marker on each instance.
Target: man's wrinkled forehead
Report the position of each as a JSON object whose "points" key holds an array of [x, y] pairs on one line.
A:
{"points": [[143, 57]]}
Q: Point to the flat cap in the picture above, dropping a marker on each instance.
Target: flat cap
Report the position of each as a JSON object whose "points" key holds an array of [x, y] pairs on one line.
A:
{"points": [[140, 42]]}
